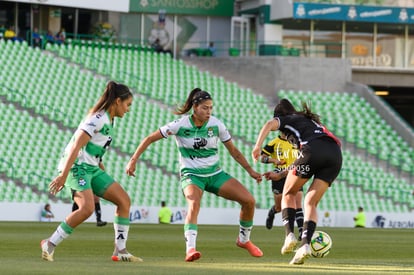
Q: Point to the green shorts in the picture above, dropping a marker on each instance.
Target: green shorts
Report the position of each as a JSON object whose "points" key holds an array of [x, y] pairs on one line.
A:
{"points": [[210, 184], [84, 176]]}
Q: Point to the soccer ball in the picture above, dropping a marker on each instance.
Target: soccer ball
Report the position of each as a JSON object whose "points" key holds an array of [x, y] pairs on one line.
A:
{"points": [[321, 244]]}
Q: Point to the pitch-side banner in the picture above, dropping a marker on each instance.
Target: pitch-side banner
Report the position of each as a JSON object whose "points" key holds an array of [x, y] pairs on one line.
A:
{"points": [[11, 211], [349, 13]]}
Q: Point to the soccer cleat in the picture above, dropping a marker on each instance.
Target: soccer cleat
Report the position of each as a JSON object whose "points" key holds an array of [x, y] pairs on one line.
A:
{"points": [[270, 218], [126, 257], [45, 253], [192, 255], [251, 248], [101, 223], [290, 244], [301, 255]]}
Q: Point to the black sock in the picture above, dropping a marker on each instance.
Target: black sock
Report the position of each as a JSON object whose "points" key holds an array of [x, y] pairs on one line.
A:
{"points": [[308, 230], [288, 219], [272, 211], [299, 219], [98, 211]]}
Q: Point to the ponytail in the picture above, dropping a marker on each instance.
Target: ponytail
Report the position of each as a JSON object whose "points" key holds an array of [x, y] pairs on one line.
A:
{"points": [[195, 97], [112, 91]]}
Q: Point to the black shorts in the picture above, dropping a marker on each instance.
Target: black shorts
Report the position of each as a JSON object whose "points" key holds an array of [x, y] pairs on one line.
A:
{"points": [[321, 158], [277, 186]]}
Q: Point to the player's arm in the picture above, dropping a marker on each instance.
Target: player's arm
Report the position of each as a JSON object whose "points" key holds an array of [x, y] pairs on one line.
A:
{"points": [[264, 158], [155, 136], [275, 176], [271, 125], [81, 139]]}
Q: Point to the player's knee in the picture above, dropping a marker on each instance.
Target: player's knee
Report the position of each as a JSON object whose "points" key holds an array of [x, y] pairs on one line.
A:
{"points": [[248, 202], [125, 203], [86, 210], [194, 204]]}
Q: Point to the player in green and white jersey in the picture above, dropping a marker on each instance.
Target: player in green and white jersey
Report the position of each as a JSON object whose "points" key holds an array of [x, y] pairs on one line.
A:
{"points": [[198, 136], [81, 170]]}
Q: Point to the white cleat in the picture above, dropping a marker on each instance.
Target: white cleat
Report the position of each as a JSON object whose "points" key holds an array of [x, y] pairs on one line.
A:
{"points": [[290, 244], [301, 255], [126, 257], [45, 252]]}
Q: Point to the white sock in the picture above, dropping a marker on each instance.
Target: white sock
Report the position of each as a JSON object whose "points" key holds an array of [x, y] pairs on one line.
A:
{"points": [[190, 239], [58, 236], [121, 236], [244, 234]]}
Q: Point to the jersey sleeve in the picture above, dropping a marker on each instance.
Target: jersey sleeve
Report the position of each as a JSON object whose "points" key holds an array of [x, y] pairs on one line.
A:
{"points": [[224, 133], [92, 124], [170, 128], [283, 120]]}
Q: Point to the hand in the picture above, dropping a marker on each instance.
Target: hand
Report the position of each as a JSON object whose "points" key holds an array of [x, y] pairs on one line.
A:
{"points": [[275, 175], [57, 184], [256, 176], [280, 162], [130, 168], [256, 153], [268, 175]]}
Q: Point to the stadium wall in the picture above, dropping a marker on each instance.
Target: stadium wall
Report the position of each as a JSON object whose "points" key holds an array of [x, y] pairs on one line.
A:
{"points": [[268, 74], [226, 216]]}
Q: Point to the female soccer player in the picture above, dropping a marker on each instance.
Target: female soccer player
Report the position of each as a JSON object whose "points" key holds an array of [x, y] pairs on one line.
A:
{"points": [[319, 156], [281, 153], [197, 138], [80, 170]]}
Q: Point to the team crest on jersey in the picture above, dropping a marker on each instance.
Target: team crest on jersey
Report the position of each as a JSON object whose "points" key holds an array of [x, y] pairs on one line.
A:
{"points": [[81, 181], [210, 132]]}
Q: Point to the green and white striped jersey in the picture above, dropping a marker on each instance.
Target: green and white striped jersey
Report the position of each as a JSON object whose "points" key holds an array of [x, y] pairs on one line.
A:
{"points": [[98, 126], [198, 146]]}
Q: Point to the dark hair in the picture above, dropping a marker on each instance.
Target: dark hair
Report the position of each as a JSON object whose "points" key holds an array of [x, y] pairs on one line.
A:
{"points": [[285, 107], [195, 97], [112, 91]]}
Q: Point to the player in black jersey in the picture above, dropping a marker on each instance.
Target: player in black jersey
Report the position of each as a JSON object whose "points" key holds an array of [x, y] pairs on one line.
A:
{"points": [[319, 156]]}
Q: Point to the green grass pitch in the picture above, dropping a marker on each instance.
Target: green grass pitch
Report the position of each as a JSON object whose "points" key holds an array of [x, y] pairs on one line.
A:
{"points": [[88, 251]]}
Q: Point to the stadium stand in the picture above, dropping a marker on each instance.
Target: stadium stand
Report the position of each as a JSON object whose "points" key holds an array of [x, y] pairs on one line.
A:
{"points": [[46, 113]]}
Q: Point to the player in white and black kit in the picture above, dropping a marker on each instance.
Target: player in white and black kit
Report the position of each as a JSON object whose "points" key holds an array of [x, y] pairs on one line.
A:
{"points": [[320, 156]]}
